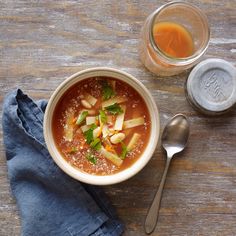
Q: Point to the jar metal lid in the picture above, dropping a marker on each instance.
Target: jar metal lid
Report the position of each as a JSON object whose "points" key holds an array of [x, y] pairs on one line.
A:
{"points": [[211, 86]]}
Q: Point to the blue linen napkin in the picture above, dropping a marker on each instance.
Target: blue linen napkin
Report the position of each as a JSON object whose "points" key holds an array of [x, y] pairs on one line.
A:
{"points": [[50, 202]]}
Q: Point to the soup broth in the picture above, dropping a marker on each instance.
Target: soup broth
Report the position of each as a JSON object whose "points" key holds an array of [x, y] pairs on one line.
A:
{"points": [[173, 39], [101, 125]]}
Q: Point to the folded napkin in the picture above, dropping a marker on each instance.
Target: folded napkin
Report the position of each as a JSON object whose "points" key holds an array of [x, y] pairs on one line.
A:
{"points": [[50, 202]]}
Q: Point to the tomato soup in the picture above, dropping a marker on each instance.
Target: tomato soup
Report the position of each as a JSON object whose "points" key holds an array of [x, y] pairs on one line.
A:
{"points": [[173, 39], [101, 125]]}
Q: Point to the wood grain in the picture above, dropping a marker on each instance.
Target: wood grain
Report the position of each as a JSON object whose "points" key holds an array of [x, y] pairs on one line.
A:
{"points": [[44, 42]]}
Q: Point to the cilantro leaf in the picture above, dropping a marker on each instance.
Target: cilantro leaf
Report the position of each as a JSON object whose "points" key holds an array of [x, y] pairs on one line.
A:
{"points": [[81, 117], [89, 134], [93, 126], [91, 158], [103, 116], [107, 91], [96, 144], [114, 109], [124, 151]]}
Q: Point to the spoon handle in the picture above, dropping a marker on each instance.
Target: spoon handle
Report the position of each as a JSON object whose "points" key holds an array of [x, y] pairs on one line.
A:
{"points": [[151, 219]]}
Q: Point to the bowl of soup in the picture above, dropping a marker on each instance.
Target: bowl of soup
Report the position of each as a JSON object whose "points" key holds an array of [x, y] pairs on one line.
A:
{"points": [[101, 126]]}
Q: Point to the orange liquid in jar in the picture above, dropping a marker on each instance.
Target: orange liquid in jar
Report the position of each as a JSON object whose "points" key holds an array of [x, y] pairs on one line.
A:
{"points": [[173, 39]]}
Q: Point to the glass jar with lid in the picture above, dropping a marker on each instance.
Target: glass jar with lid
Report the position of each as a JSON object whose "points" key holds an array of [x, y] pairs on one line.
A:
{"points": [[161, 38]]}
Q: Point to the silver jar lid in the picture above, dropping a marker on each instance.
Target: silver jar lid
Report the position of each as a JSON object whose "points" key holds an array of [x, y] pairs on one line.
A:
{"points": [[211, 86]]}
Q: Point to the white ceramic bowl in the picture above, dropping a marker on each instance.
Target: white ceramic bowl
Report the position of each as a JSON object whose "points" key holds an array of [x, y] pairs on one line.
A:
{"points": [[143, 159]]}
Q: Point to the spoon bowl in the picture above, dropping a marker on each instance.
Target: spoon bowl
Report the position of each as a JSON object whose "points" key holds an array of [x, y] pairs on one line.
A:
{"points": [[174, 139], [175, 135]]}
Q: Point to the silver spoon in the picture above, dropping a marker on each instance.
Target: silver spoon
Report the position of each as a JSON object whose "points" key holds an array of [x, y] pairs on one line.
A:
{"points": [[174, 139]]}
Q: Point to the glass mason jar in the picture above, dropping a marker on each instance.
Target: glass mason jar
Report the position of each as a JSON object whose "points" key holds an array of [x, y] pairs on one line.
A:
{"points": [[181, 13]]}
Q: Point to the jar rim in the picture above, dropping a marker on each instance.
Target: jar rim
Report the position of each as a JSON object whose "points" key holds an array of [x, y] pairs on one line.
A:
{"points": [[176, 60]]}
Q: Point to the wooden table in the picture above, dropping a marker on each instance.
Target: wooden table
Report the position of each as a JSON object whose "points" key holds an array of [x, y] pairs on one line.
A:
{"points": [[44, 42]]}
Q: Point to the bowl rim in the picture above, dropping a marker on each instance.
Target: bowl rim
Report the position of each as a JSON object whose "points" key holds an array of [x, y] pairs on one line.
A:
{"points": [[139, 164]]}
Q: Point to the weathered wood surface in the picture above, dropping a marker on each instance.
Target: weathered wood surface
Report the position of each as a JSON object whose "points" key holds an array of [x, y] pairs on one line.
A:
{"points": [[43, 42]]}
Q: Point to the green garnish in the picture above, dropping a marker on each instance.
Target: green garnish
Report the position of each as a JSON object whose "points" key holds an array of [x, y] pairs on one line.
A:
{"points": [[81, 117], [89, 134], [91, 158], [103, 116], [73, 150], [96, 144], [107, 91], [124, 151], [114, 109]]}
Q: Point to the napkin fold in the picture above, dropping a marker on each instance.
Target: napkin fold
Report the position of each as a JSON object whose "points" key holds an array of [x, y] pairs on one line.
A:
{"points": [[50, 202]]}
